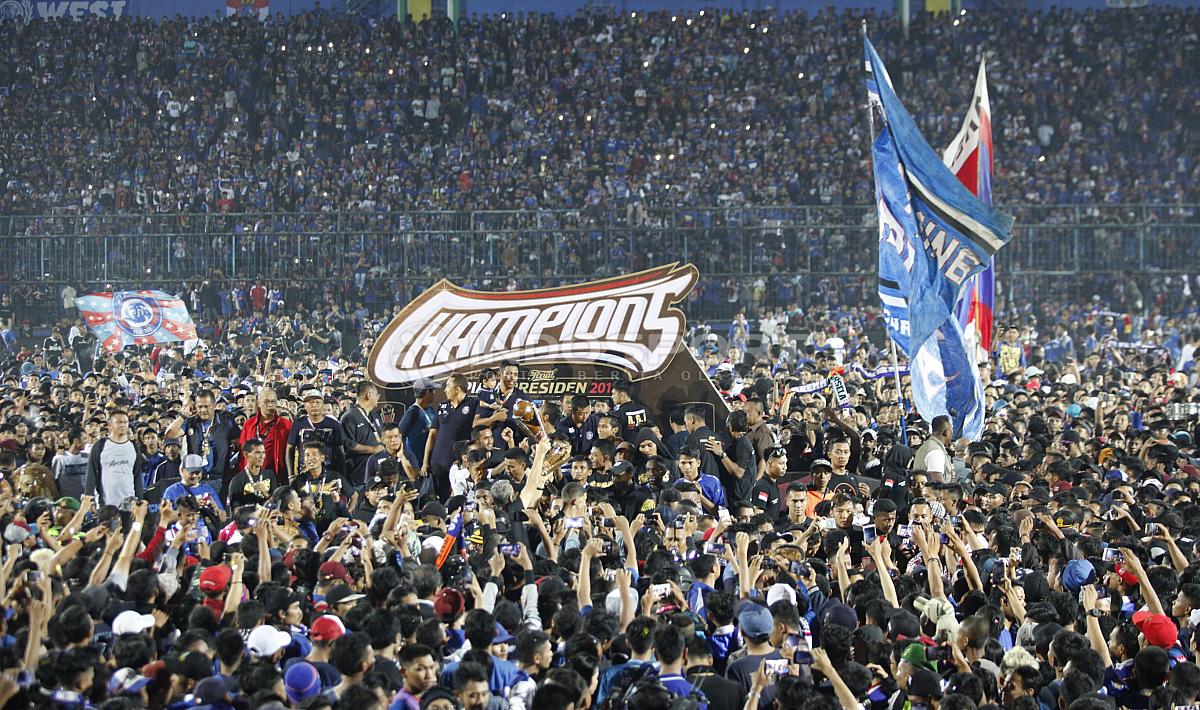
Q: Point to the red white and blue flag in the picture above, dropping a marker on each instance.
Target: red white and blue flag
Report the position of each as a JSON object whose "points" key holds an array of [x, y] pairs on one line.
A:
{"points": [[252, 8], [970, 156], [451, 542], [135, 318]]}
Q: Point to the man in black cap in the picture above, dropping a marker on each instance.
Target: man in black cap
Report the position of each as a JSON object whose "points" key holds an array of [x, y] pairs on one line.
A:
{"points": [[315, 426], [628, 497]]}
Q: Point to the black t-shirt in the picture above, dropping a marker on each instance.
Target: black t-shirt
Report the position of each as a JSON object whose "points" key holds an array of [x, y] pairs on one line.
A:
{"points": [[246, 491], [634, 416], [765, 496], [329, 432], [742, 452], [360, 427], [708, 462]]}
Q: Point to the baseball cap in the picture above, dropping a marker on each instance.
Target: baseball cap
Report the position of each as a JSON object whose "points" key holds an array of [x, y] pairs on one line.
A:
{"points": [[211, 690], [755, 620], [448, 604], [1158, 629], [1078, 573], [326, 628], [131, 622], [914, 653], [423, 384], [267, 641], [820, 463], [193, 462], [126, 680], [433, 509], [924, 683], [502, 635], [215, 578], [333, 570], [301, 681], [312, 394], [342, 594]]}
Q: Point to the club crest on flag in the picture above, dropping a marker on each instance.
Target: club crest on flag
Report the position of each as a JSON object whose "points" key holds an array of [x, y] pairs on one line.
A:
{"points": [[136, 314], [135, 318]]}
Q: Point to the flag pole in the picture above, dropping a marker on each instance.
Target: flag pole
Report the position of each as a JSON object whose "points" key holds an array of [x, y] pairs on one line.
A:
{"points": [[891, 342]]}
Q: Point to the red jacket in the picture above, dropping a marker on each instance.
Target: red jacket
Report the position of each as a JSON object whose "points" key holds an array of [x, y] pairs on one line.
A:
{"points": [[274, 437]]}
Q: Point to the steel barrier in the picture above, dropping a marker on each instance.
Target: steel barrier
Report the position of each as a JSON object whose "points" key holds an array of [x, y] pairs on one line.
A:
{"points": [[725, 242]]}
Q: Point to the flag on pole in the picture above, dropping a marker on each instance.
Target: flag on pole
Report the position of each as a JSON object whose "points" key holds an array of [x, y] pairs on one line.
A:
{"points": [[970, 156], [254, 8], [934, 235], [135, 318]]}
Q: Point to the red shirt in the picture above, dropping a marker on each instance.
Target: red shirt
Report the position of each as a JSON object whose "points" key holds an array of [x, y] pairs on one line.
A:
{"points": [[258, 296], [274, 437]]}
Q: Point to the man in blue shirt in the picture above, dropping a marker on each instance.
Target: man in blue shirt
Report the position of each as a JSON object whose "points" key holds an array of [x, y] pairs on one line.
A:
{"points": [[713, 495], [415, 423], [208, 499]]}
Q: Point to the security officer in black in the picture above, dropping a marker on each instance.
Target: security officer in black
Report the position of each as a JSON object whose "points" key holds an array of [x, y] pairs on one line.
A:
{"points": [[579, 426], [766, 494], [633, 414]]}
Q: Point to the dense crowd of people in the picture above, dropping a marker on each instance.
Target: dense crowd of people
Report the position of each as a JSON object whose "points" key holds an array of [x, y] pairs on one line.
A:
{"points": [[590, 112], [246, 523]]}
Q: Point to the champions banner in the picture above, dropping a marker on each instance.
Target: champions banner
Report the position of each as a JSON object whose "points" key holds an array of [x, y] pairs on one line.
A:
{"points": [[568, 340], [934, 236], [135, 318], [970, 156]]}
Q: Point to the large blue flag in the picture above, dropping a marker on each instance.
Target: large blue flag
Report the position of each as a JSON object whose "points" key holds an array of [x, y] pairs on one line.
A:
{"points": [[933, 236]]}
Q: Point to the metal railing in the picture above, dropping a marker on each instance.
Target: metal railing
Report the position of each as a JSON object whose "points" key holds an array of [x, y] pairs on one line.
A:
{"points": [[819, 240]]}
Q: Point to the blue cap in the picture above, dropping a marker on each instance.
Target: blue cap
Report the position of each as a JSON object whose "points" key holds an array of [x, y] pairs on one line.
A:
{"points": [[755, 620], [301, 681], [1078, 573]]}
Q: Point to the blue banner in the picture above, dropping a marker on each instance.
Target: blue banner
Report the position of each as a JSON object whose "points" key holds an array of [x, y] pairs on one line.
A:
{"points": [[933, 236]]}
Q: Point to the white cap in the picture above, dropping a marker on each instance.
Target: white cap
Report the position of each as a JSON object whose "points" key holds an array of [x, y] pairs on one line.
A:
{"points": [[266, 641], [131, 622], [779, 592], [194, 462]]}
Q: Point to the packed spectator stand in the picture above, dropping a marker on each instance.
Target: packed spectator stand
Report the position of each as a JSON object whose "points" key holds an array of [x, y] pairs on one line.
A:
{"points": [[248, 522]]}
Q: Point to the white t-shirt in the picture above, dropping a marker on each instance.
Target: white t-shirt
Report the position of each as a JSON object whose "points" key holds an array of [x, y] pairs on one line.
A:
{"points": [[116, 471], [460, 480]]}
